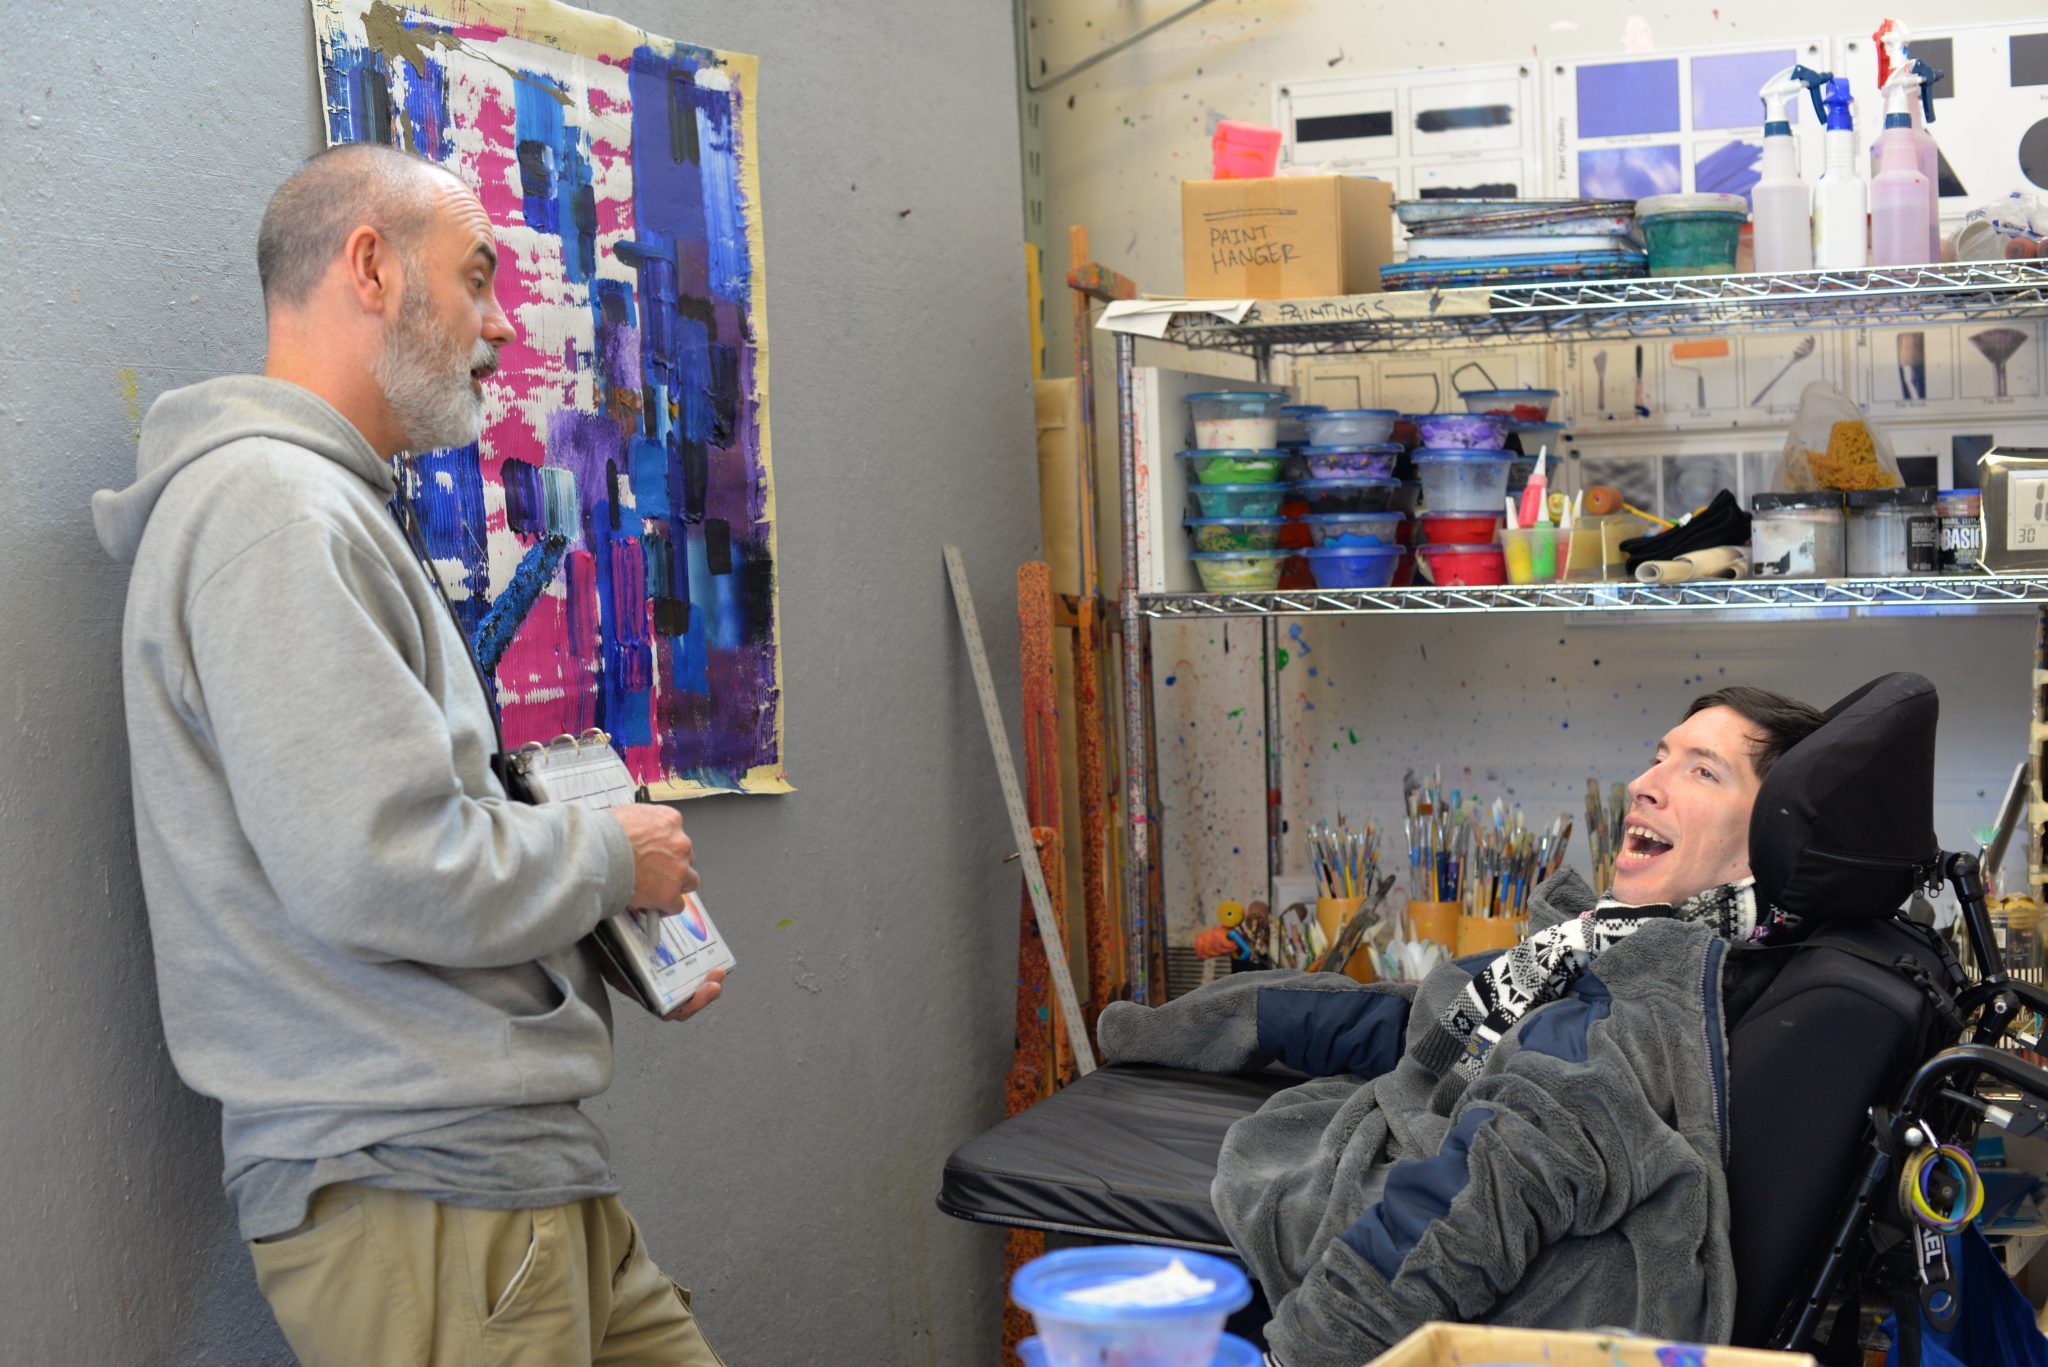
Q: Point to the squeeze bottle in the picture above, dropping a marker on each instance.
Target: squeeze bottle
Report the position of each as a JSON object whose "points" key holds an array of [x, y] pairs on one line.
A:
{"points": [[1781, 203], [1901, 195], [1841, 200]]}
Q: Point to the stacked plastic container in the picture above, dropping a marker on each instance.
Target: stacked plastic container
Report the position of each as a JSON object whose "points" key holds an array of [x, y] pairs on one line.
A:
{"points": [[1464, 474], [1236, 490], [1359, 529]]}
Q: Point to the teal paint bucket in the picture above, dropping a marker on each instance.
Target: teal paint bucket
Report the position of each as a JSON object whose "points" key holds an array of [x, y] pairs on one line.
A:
{"points": [[1692, 234]]}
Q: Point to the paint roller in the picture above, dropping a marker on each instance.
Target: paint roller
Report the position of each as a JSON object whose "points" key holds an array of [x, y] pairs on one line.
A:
{"points": [[1713, 562], [1714, 349]]}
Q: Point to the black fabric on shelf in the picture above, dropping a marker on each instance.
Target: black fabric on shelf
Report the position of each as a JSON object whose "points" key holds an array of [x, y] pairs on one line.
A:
{"points": [[1721, 523]]}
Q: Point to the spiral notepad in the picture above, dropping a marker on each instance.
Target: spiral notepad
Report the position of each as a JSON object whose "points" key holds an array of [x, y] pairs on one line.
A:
{"points": [[665, 958]]}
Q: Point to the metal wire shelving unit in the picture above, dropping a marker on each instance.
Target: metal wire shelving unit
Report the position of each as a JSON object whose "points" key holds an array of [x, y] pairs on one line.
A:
{"points": [[1519, 315]]}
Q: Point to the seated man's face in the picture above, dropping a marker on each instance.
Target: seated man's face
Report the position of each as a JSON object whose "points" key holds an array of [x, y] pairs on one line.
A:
{"points": [[1688, 818]]}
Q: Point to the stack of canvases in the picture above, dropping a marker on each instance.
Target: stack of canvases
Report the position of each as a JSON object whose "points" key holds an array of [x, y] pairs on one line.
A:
{"points": [[1454, 242]]}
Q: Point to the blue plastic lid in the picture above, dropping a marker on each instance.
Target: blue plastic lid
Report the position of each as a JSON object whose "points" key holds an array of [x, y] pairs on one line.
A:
{"points": [[1235, 521], [1521, 426], [1318, 552], [1236, 555], [1362, 413], [1498, 393], [1386, 448], [1235, 452], [1838, 106], [1322, 486], [1277, 485], [1231, 1351], [1298, 410], [1463, 417], [1391, 515], [1240, 394], [1460, 453], [1045, 1285]]}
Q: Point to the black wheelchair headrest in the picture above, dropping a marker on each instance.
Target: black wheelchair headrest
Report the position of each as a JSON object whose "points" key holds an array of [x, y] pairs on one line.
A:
{"points": [[1843, 828]]}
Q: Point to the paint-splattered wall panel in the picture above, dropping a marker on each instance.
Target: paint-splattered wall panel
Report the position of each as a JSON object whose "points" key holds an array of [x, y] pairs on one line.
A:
{"points": [[610, 542]]}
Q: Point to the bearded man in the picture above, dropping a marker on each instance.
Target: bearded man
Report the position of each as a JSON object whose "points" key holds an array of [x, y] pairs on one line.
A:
{"points": [[370, 955]]}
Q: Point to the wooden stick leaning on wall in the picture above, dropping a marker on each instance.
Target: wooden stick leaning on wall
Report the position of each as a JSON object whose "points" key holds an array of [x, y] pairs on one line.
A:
{"points": [[1108, 975]]}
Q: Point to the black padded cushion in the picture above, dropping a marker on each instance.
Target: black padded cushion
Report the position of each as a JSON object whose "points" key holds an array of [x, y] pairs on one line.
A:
{"points": [[1843, 827], [1125, 1153], [1827, 1037]]}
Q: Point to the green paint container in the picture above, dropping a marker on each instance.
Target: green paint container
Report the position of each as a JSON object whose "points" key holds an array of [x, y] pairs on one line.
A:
{"points": [[1692, 234]]}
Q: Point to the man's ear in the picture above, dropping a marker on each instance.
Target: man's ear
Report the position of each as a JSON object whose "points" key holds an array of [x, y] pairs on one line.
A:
{"points": [[371, 268]]}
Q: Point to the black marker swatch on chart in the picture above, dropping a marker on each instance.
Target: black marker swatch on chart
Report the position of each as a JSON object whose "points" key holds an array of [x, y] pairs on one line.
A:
{"points": [[1939, 53], [1470, 116], [1495, 190], [2029, 53], [1378, 124], [1946, 181], [2034, 154]]}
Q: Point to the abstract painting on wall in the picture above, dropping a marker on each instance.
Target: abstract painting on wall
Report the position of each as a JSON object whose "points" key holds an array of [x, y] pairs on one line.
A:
{"points": [[610, 542]]}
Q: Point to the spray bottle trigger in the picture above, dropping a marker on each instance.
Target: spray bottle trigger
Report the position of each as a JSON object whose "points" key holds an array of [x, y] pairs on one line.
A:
{"points": [[1814, 81], [1929, 76]]}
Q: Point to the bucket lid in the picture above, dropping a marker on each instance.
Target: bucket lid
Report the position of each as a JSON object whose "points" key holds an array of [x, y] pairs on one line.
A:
{"points": [[1240, 555], [1279, 486], [1324, 486], [1388, 516], [1234, 452], [1386, 448], [1302, 410], [1048, 1285], [1921, 497], [1653, 205], [1378, 548], [1231, 1351], [1360, 413], [1808, 498], [1506, 393], [1235, 521], [1442, 513], [1459, 453], [1267, 394]]}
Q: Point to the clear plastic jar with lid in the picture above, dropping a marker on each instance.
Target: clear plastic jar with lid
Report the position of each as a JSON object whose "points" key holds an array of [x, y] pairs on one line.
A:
{"points": [[1798, 536], [1892, 531]]}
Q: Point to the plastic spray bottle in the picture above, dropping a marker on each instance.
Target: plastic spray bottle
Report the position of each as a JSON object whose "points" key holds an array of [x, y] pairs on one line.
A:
{"points": [[1841, 200], [1893, 54], [1781, 203], [1902, 194]]}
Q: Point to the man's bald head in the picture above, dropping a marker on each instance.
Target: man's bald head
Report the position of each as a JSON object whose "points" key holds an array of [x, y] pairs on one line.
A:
{"points": [[333, 194]]}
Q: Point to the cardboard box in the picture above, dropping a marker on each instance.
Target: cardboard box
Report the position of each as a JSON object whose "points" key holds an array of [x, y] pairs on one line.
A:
{"points": [[1292, 237], [1466, 1345]]}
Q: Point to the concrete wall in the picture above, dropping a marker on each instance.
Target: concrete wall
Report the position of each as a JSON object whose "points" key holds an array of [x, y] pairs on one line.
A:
{"points": [[782, 1151], [1529, 707]]}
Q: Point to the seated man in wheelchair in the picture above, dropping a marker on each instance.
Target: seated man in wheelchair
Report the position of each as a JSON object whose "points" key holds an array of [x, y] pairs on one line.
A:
{"points": [[1542, 1136]]}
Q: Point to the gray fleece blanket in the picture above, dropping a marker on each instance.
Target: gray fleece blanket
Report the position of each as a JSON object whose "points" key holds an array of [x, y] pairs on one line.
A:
{"points": [[1577, 1182]]}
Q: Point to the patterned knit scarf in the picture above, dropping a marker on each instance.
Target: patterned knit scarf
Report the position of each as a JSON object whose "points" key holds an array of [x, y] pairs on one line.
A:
{"points": [[1543, 967]]}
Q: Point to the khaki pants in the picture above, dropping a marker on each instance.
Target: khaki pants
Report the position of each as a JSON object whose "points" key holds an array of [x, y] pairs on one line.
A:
{"points": [[378, 1278]]}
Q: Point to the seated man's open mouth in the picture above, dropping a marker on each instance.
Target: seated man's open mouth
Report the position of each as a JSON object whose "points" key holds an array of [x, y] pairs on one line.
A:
{"points": [[1643, 845]]}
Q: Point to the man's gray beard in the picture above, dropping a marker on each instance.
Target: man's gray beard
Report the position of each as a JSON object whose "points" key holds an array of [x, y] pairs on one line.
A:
{"points": [[425, 378]]}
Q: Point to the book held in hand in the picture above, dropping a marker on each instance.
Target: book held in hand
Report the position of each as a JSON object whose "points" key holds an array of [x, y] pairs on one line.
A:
{"points": [[664, 958]]}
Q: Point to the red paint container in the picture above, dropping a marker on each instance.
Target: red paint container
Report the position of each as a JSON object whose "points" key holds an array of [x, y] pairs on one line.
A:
{"points": [[1461, 529], [1465, 566]]}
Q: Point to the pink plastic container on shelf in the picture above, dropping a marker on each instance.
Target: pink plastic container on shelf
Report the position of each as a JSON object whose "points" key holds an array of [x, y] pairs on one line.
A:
{"points": [[1464, 566], [1245, 151]]}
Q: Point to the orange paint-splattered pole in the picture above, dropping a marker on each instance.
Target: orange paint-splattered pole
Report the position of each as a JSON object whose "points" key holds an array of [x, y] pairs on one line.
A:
{"points": [[1043, 1058], [1101, 925]]}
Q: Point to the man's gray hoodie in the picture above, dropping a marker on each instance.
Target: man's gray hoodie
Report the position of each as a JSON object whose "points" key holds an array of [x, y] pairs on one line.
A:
{"points": [[1576, 1183], [358, 937]]}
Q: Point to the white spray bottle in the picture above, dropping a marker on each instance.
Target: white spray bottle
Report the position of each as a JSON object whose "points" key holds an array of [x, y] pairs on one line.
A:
{"points": [[1901, 195], [1841, 199], [1781, 203]]}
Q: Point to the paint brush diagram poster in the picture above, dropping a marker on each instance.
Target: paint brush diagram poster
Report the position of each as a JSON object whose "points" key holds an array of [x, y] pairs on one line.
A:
{"points": [[1995, 86], [610, 543], [1657, 123], [1438, 133]]}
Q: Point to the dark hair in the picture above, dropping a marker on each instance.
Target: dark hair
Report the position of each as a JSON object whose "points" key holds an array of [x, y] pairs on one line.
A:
{"points": [[326, 199], [1781, 722]]}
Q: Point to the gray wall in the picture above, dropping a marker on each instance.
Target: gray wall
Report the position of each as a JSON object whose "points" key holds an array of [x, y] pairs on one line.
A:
{"points": [[782, 1151]]}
